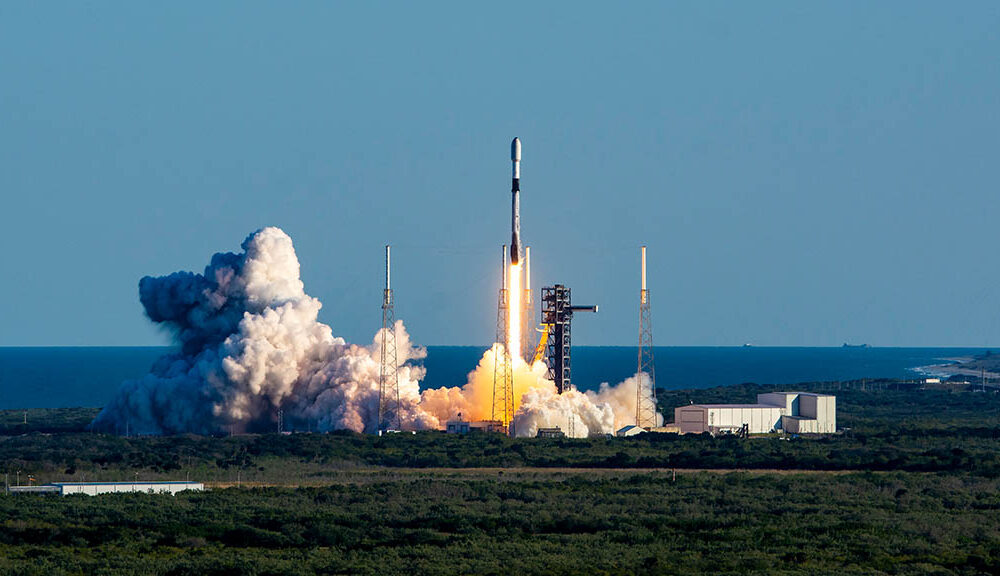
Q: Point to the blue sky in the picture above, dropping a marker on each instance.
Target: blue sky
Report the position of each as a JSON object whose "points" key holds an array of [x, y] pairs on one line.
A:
{"points": [[803, 173]]}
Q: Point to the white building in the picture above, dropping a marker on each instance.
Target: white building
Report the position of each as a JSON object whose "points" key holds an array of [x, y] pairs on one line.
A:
{"points": [[94, 488], [794, 412]]}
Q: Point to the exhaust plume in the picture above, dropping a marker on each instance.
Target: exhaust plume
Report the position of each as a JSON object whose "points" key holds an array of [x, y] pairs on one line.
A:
{"points": [[580, 414]]}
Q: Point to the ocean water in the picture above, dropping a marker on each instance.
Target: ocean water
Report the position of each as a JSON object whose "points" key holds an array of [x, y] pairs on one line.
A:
{"points": [[67, 377]]}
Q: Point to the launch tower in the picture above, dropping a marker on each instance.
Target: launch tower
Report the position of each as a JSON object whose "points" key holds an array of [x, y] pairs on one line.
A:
{"points": [[503, 373], [645, 394], [388, 377], [557, 316]]}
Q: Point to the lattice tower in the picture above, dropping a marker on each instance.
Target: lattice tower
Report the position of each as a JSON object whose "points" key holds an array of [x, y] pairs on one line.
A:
{"points": [[645, 400], [503, 389], [388, 377]]}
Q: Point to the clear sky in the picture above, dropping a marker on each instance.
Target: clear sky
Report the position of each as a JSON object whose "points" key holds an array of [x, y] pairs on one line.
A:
{"points": [[803, 173]]}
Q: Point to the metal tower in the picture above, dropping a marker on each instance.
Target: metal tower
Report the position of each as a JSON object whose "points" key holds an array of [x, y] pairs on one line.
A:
{"points": [[503, 386], [388, 377], [645, 391], [557, 316], [527, 312]]}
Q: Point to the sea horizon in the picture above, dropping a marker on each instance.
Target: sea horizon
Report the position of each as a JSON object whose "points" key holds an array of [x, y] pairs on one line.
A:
{"points": [[71, 376]]}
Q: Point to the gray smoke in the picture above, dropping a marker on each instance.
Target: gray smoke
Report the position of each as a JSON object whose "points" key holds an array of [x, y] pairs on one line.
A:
{"points": [[249, 343]]}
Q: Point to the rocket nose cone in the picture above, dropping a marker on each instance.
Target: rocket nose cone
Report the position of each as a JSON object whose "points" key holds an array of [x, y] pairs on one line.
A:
{"points": [[515, 150]]}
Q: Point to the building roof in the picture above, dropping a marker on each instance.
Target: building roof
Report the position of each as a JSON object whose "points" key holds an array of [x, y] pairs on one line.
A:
{"points": [[124, 483], [714, 406]]}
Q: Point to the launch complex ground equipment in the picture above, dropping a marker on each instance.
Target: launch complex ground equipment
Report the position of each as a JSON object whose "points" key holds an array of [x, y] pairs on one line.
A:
{"points": [[557, 316]]}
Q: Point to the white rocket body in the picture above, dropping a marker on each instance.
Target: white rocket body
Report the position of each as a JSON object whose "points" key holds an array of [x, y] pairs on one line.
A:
{"points": [[515, 189]]}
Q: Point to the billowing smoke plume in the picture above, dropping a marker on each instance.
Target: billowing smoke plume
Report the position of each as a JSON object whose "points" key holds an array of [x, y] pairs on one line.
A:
{"points": [[249, 344], [580, 414]]}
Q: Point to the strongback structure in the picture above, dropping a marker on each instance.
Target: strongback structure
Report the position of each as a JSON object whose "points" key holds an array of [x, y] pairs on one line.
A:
{"points": [[557, 316], [388, 377], [503, 389], [645, 396]]}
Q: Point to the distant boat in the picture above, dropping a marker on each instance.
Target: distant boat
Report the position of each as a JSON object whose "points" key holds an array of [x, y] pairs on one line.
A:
{"points": [[846, 345], [748, 345]]}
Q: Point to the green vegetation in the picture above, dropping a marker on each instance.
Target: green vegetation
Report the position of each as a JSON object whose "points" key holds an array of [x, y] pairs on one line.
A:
{"points": [[910, 487], [433, 523], [46, 420]]}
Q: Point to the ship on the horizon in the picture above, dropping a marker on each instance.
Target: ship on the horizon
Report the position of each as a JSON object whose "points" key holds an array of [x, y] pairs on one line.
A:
{"points": [[846, 345]]}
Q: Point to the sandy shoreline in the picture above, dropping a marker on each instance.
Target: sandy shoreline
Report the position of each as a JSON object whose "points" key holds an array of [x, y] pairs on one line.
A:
{"points": [[953, 367]]}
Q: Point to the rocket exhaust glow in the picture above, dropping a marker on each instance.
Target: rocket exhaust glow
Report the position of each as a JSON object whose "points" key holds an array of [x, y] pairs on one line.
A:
{"points": [[514, 311]]}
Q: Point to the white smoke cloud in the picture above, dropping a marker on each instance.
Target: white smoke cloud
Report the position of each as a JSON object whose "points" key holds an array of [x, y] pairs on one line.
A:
{"points": [[580, 414], [250, 344]]}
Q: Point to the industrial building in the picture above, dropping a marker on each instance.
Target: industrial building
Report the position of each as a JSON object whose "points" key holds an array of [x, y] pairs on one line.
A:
{"points": [[630, 430], [553, 432], [465, 427], [95, 488], [792, 412]]}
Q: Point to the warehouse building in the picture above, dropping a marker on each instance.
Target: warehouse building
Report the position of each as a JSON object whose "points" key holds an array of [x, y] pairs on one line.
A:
{"points": [[465, 427], [95, 488], [793, 412]]}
